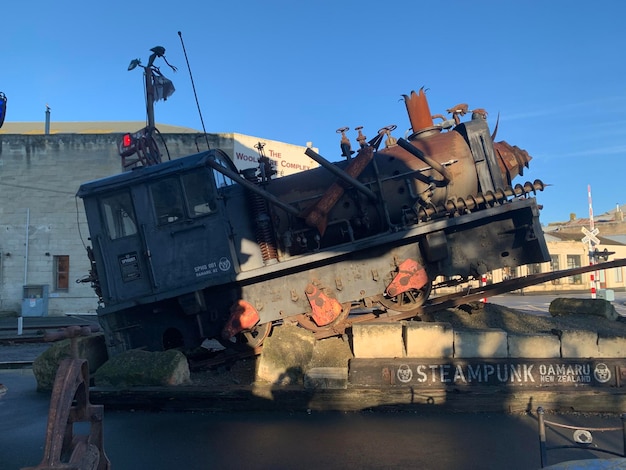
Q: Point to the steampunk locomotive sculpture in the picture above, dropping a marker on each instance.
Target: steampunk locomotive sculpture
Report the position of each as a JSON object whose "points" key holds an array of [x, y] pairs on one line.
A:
{"points": [[177, 259]]}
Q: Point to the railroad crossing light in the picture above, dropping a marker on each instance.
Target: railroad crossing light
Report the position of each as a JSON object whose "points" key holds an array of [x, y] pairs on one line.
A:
{"points": [[127, 146], [602, 254]]}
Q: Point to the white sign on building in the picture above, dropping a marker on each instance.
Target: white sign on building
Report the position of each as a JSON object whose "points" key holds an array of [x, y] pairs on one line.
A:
{"points": [[286, 158]]}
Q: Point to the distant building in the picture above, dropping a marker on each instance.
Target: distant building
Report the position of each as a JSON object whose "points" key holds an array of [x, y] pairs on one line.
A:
{"points": [[568, 251]]}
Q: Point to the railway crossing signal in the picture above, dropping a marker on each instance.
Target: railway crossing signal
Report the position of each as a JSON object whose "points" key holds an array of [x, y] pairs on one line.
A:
{"points": [[591, 239], [590, 236]]}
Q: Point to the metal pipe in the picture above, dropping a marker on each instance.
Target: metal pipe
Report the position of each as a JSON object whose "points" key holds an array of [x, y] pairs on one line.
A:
{"points": [[47, 126], [438, 167], [26, 244], [233, 175], [149, 97], [339, 173]]}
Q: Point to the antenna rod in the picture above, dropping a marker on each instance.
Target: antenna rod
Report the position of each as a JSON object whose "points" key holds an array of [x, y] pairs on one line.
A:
{"points": [[193, 86]]}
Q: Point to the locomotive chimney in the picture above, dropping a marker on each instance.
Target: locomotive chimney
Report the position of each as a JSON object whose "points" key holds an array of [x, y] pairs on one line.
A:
{"points": [[419, 112]]}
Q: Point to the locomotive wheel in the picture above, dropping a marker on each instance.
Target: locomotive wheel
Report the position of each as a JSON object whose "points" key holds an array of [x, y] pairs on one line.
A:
{"points": [[305, 321], [408, 300], [257, 334]]}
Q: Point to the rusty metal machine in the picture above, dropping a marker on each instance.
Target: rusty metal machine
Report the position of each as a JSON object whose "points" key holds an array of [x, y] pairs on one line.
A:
{"points": [[70, 404], [191, 249]]}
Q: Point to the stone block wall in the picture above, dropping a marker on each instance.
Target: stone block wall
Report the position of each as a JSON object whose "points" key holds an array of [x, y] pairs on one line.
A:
{"points": [[439, 340]]}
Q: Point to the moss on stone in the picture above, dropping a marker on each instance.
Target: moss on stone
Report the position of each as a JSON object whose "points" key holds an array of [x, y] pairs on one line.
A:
{"points": [[46, 364], [571, 306], [144, 368], [286, 355]]}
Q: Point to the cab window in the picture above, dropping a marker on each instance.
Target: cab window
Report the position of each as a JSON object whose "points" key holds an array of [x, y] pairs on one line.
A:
{"points": [[199, 193], [168, 200], [119, 216]]}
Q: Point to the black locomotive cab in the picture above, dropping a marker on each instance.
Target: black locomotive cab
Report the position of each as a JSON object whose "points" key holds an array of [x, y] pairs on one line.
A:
{"points": [[156, 231]]}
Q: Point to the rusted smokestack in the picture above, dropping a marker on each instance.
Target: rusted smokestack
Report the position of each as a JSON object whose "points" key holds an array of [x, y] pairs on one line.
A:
{"points": [[47, 126], [419, 112]]}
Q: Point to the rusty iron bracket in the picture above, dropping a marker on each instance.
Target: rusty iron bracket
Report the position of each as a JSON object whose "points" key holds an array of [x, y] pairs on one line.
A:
{"points": [[69, 404], [411, 275], [324, 308], [243, 316]]}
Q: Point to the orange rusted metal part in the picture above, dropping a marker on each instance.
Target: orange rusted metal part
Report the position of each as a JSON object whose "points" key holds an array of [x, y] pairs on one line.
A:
{"points": [[411, 275], [419, 111], [511, 159], [458, 110], [243, 316], [324, 308], [479, 113], [318, 215]]}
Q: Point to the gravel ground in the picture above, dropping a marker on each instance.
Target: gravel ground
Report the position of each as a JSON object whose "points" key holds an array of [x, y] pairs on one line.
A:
{"points": [[480, 316]]}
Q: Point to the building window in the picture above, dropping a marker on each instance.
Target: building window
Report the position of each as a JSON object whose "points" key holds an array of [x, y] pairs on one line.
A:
{"points": [[534, 268], [555, 266], [61, 273], [554, 263], [619, 277], [573, 261]]}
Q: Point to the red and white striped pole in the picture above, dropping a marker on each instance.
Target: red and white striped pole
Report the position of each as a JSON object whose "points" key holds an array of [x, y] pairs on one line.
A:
{"points": [[592, 275], [483, 283]]}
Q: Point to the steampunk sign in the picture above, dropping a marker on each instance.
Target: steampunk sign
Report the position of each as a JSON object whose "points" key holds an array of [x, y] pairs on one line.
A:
{"points": [[492, 372]]}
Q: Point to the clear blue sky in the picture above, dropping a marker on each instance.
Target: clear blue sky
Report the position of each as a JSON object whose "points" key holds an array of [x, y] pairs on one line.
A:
{"points": [[296, 71]]}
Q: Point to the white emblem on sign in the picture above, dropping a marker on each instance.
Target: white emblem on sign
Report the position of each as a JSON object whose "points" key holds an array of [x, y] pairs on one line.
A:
{"points": [[602, 373], [404, 374], [224, 264]]}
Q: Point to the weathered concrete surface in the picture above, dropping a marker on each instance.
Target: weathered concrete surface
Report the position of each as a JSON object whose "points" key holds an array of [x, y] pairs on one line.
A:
{"points": [[46, 364], [429, 339], [286, 355], [143, 368], [331, 378], [331, 352], [568, 306], [579, 343], [611, 347], [322, 364], [373, 340], [534, 346], [491, 343]]}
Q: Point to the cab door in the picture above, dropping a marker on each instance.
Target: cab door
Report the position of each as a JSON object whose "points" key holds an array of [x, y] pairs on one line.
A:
{"points": [[189, 241], [121, 250]]}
